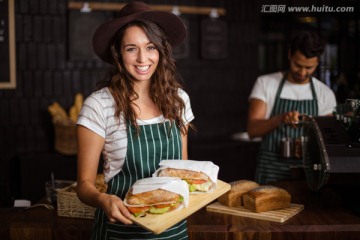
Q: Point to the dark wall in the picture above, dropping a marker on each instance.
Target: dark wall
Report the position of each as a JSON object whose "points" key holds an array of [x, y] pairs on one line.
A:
{"points": [[218, 87], [48, 71]]}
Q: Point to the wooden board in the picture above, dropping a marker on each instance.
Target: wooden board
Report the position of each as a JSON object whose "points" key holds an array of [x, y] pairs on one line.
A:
{"points": [[161, 222], [280, 215]]}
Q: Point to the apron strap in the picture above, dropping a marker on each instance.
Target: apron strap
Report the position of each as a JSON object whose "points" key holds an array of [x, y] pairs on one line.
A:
{"points": [[277, 96], [313, 90], [281, 85]]}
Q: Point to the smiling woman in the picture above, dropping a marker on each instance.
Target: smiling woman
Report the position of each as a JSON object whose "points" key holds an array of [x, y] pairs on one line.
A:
{"points": [[139, 110], [140, 56]]}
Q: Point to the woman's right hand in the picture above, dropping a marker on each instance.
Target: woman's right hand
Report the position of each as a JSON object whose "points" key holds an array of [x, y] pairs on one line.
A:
{"points": [[115, 209]]}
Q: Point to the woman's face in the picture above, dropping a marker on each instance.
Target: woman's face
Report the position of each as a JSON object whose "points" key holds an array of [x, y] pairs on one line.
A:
{"points": [[139, 55]]}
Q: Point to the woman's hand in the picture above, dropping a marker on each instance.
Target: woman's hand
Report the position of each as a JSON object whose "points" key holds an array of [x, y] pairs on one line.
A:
{"points": [[115, 209]]}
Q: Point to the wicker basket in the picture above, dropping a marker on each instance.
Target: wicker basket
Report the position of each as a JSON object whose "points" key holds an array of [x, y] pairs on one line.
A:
{"points": [[65, 137], [69, 205]]}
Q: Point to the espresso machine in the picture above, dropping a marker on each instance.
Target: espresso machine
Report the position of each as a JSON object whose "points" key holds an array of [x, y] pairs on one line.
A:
{"points": [[331, 148]]}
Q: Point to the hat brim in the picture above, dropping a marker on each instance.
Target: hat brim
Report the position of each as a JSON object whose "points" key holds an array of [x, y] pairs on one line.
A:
{"points": [[171, 24]]}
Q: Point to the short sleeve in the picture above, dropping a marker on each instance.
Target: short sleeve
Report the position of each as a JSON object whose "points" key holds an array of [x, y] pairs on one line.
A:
{"points": [[92, 115], [187, 115], [258, 90], [327, 101]]}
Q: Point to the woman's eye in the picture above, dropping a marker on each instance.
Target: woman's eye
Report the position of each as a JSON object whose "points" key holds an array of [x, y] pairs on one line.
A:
{"points": [[130, 49], [151, 47]]}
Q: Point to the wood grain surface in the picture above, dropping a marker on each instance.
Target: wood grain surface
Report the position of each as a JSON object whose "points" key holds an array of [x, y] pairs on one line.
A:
{"points": [[158, 223], [280, 215]]}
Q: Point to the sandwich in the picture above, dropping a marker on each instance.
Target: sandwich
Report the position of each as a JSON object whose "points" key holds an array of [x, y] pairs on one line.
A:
{"points": [[201, 176], [156, 202], [197, 181], [156, 196]]}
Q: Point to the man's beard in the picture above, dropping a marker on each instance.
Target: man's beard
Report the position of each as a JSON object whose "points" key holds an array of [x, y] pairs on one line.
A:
{"points": [[298, 78]]}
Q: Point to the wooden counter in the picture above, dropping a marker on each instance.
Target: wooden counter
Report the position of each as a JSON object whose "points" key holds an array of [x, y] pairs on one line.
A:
{"points": [[39, 223], [325, 216]]}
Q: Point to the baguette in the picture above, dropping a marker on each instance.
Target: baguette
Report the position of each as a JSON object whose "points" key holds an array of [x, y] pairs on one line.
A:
{"points": [[233, 198], [265, 198], [57, 112]]}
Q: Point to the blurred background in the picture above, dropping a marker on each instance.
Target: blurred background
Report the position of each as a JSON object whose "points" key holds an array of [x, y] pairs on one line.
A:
{"points": [[229, 44]]}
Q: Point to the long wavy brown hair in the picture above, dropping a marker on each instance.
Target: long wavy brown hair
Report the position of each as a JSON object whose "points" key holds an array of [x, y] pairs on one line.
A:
{"points": [[164, 85]]}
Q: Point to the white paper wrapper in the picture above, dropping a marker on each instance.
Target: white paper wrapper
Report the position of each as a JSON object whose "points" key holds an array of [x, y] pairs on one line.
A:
{"points": [[171, 184], [207, 167]]}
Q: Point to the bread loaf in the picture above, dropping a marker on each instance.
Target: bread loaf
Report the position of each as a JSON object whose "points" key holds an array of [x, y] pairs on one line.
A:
{"points": [[265, 198], [233, 198]]}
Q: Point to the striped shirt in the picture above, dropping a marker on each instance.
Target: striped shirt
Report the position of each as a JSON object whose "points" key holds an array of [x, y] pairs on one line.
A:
{"points": [[98, 115]]}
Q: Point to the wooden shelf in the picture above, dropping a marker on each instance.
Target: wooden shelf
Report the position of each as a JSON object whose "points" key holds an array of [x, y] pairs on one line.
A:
{"points": [[99, 6]]}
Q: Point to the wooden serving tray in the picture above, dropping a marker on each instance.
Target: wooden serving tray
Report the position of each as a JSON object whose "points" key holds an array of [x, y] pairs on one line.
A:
{"points": [[157, 223], [280, 215]]}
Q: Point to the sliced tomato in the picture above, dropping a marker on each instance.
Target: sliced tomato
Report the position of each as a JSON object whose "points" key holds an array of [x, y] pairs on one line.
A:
{"points": [[162, 205], [138, 209], [196, 181]]}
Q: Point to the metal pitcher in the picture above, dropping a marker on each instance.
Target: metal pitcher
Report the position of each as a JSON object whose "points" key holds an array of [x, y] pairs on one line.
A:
{"points": [[287, 147]]}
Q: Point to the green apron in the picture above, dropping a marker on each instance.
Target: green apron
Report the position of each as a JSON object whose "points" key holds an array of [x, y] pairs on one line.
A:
{"points": [[271, 166], [156, 142]]}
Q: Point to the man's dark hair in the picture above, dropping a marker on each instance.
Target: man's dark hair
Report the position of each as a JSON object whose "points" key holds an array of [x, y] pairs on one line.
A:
{"points": [[308, 43]]}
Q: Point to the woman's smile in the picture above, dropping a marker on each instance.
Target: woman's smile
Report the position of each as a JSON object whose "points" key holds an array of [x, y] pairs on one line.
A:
{"points": [[142, 69], [140, 56]]}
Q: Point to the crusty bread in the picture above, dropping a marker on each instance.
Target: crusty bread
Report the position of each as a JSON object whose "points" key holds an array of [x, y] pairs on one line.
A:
{"points": [[265, 198], [151, 197], [233, 198], [183, 174]]}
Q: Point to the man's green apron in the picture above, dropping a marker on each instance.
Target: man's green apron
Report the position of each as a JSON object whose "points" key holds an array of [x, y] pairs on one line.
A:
{"points": [[271, 166], [156, 142]]}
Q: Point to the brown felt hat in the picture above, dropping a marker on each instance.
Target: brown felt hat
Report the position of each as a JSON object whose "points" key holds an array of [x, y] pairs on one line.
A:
{"points": [[172, 25]]}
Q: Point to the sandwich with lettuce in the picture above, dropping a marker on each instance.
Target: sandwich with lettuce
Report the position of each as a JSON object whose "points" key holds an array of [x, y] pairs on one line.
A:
{"points": [[197, 181], [201, 176], [156, 196]]}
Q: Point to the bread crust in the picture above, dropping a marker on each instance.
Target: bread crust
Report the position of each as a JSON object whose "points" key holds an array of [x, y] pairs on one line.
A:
{"points": [[157, 196], [183, 174], [265, 198], [233, 198]]}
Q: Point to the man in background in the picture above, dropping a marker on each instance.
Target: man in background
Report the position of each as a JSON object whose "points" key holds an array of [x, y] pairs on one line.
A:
{"points": [[278, 99]]}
